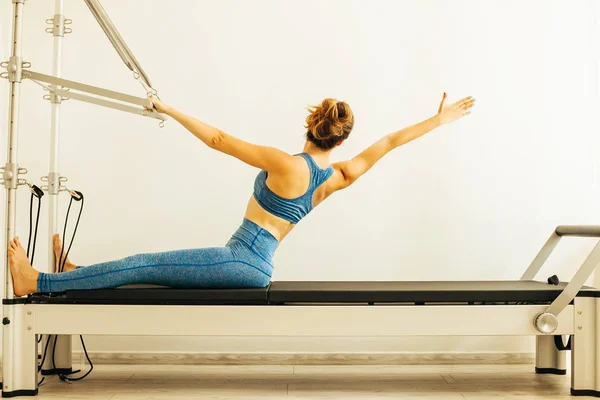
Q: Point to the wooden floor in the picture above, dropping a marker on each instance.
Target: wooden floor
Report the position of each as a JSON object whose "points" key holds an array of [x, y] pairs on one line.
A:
{"points": [[172, 382]]}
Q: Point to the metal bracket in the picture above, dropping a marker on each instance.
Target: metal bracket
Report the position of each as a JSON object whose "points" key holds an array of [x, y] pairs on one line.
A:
{"points": [[14, 69], [71, 192], [58, 25], [53, 181], [10, 176], [547, 322], [54, 97]]}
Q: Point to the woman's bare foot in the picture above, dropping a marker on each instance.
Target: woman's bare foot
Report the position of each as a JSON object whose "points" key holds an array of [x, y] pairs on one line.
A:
{"points": [[23, 274], [69, 266]]}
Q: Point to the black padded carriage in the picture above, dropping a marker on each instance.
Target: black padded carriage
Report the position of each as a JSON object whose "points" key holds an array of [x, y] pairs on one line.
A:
{"points": [[282, 292]]}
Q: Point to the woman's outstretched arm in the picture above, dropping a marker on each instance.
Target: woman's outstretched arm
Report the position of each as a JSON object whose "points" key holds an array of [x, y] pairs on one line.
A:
{"points": [[263, 157], [349, 171]]}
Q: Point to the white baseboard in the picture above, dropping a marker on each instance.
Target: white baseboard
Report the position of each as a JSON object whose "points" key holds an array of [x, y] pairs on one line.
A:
{"points": [[306, 358]]}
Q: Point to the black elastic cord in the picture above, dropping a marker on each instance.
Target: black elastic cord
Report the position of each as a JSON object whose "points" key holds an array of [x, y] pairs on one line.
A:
{"points": [[66, 378], [74, 232], [61, 266], [62, 262], [53, 351], [61, 376], [43, 358], [35, 231], [30, 245], [30, 222], [62, 249]]}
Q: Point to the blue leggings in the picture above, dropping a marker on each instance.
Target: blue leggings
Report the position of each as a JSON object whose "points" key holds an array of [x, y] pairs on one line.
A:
{"points": [[244, 262]]}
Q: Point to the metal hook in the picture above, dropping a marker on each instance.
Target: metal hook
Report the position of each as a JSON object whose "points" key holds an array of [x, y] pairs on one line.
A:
{"points": [[161, 124], [74, 194]]}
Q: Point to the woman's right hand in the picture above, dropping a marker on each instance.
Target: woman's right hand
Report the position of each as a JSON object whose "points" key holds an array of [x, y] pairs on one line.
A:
{"points": [[159, 105], [452, 112]]}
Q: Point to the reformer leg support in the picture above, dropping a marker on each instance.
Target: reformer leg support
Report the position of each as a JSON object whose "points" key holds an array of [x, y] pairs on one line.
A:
{"points": [[585, 374], [548, 358], [59, 360], [19, 347]]}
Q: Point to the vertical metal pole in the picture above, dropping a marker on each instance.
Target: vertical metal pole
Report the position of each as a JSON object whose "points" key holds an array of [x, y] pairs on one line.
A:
{"points": [[19, 363], [11, 177], [59, 360], [53, 174]]}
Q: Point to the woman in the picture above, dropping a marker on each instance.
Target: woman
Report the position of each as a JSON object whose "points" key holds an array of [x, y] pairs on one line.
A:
{"points": [[287, 188]]}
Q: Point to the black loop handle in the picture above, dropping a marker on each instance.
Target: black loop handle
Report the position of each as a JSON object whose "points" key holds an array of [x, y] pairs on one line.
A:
{"points": [[558, 342], [37, 192], [76, 195]]}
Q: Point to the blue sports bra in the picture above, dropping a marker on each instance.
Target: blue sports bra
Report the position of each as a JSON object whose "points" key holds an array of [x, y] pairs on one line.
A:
{"points": [[292, 210]]}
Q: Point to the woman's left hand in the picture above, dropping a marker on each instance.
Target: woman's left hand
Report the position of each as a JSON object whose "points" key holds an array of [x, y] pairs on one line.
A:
{"points": [[452, 112]]}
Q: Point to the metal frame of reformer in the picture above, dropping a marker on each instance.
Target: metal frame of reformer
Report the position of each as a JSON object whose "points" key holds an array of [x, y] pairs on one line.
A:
{"points": [[23, 320], [577, 317]]}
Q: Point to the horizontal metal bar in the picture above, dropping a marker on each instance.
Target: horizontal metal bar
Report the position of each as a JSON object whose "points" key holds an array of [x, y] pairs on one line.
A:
{"points": [[579, 230], [381, 320], [82, 87], [109, 104]]}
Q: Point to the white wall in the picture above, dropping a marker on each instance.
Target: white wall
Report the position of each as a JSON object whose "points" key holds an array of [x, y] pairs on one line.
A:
{"points": [[474, 200]]}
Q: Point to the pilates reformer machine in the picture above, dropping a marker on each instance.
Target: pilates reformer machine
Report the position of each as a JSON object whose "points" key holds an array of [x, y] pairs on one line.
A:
{"points": [[546, 310]]}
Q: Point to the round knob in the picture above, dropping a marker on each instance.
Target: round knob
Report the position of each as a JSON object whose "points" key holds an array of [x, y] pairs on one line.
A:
{"points": [[5, 321], [546, 323]]}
